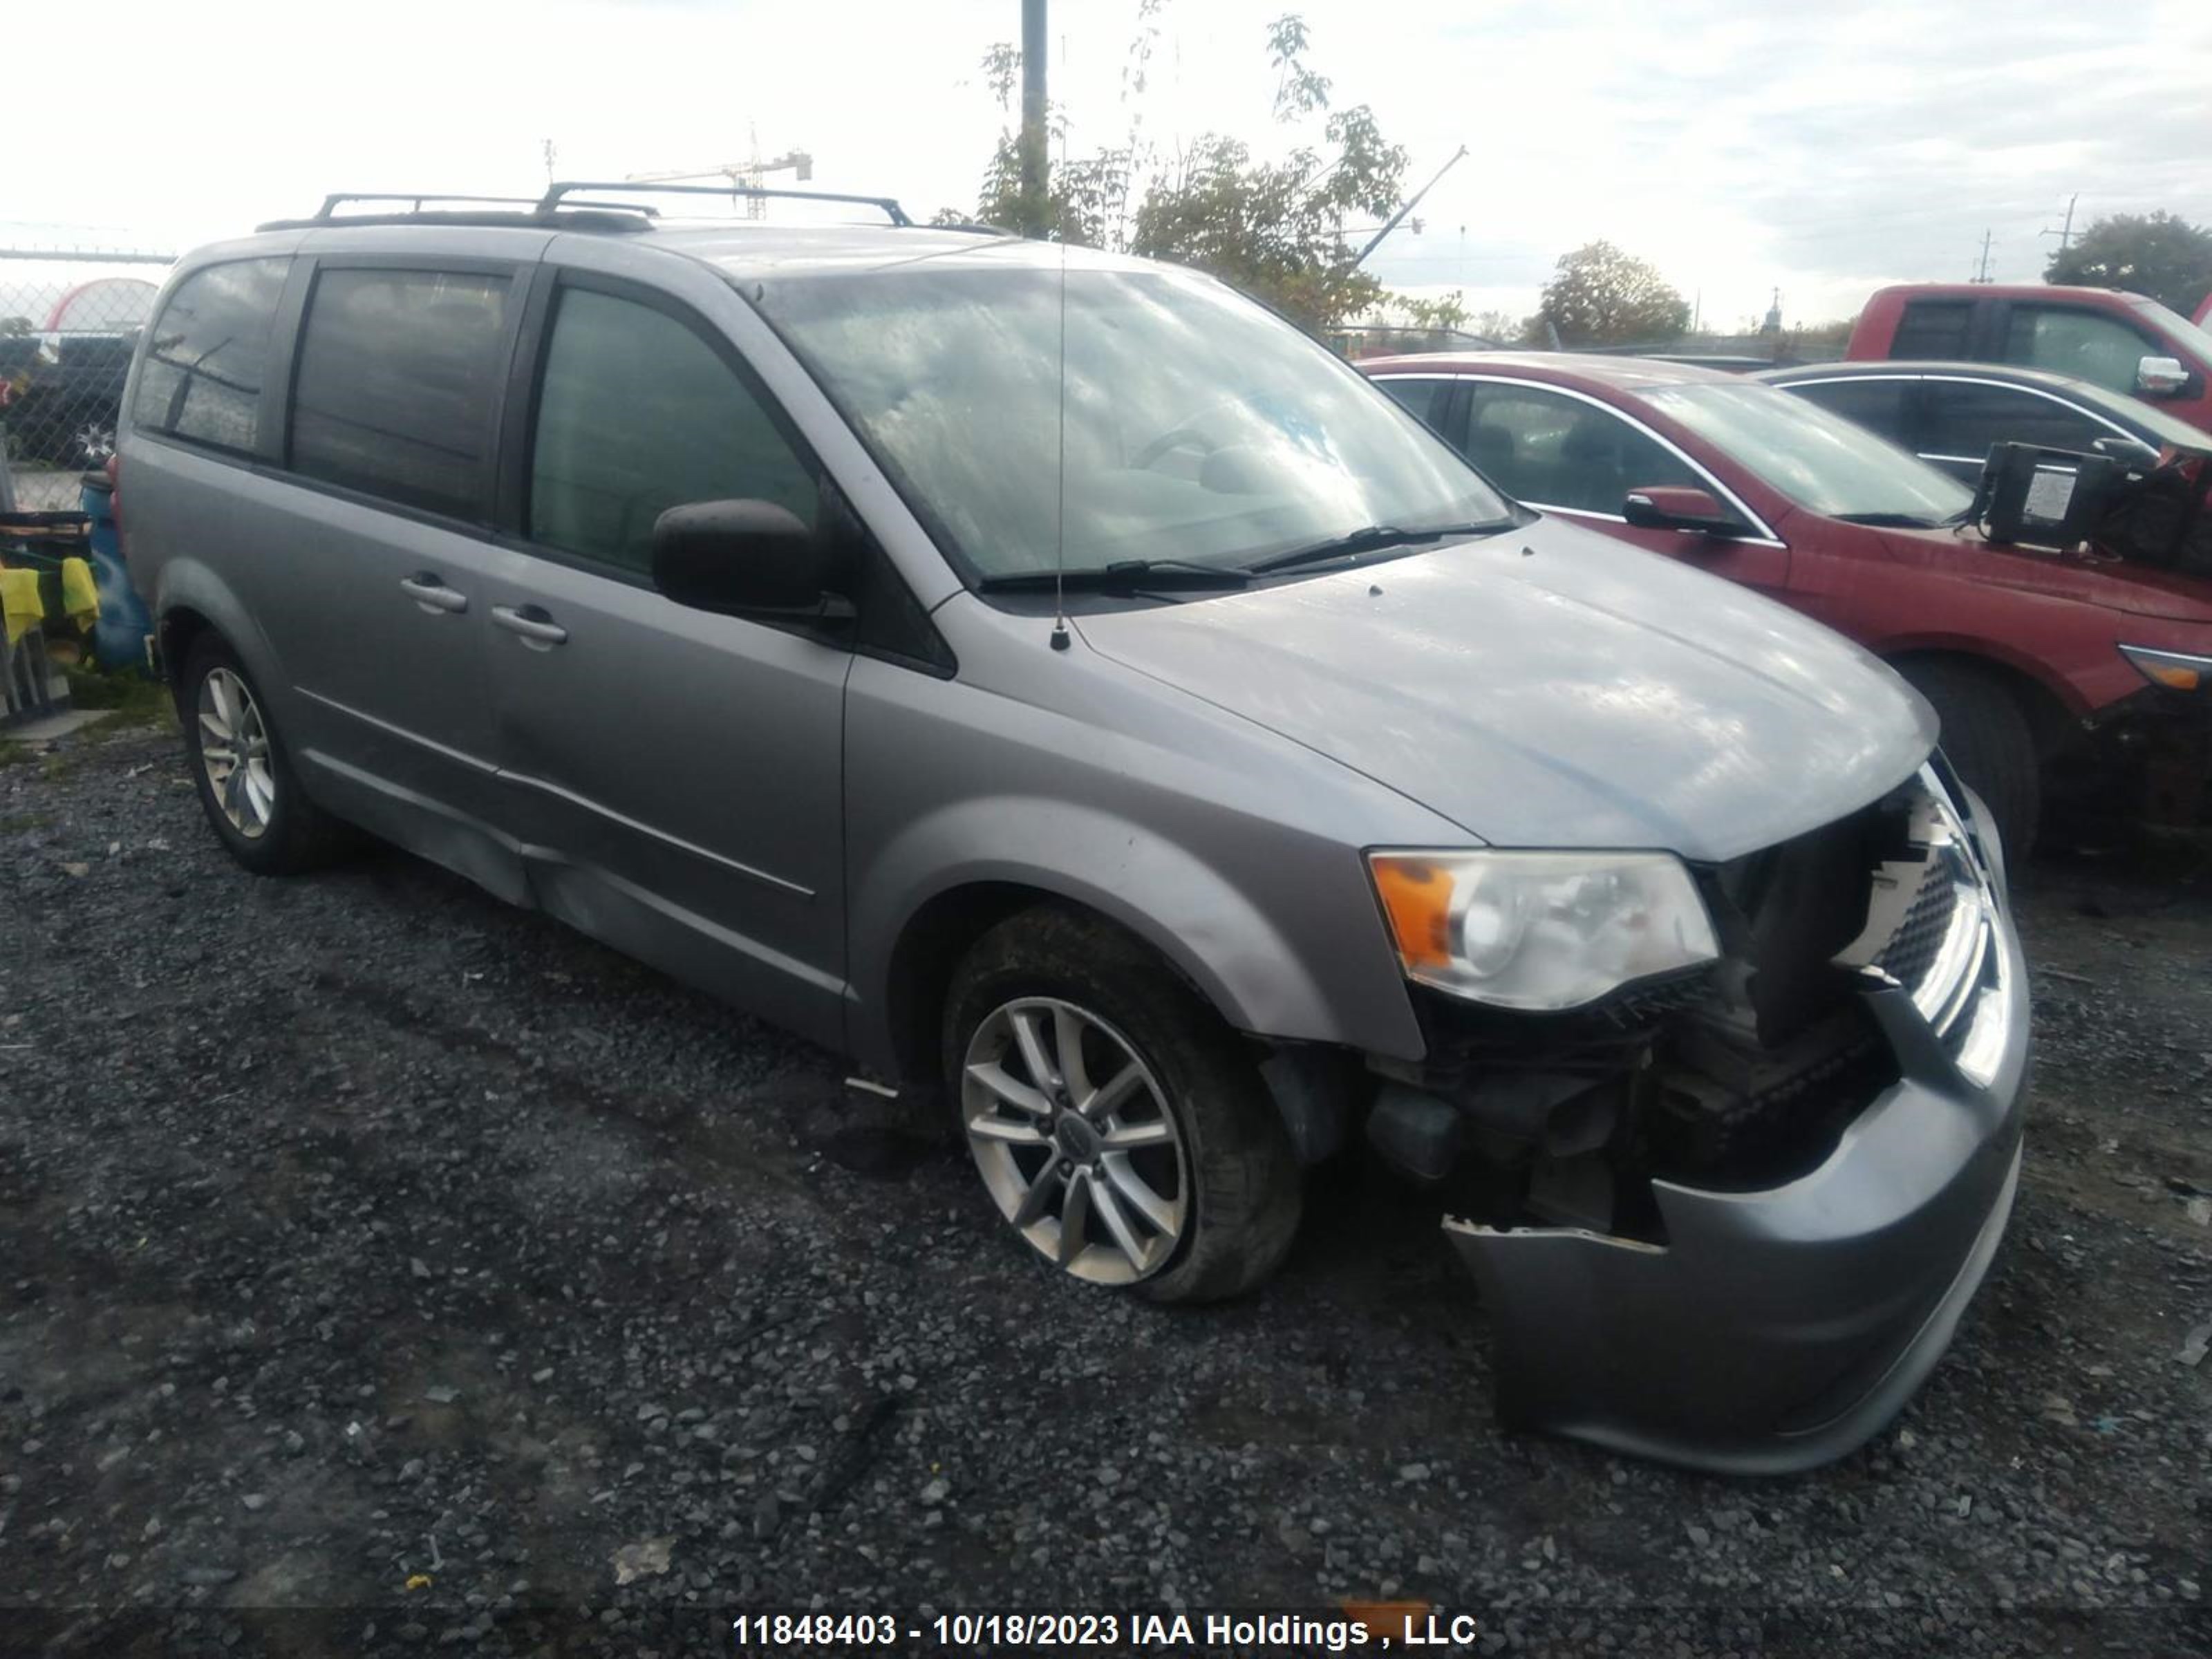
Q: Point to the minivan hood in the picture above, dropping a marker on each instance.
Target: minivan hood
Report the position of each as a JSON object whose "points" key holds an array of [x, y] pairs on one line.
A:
{"points": [[1549, 687]]}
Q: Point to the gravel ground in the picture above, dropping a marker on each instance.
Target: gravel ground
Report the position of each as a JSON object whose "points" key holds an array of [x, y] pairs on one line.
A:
{"points": [[382, 1268]]}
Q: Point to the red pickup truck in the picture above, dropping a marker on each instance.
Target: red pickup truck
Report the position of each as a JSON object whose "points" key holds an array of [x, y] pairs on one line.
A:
{"points": [[2120, 341]]}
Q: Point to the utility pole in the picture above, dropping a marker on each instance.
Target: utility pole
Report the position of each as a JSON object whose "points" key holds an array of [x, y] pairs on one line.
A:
{"points": [[2066, 235], [1376, 241], [1982, 275], [1033, 119]]}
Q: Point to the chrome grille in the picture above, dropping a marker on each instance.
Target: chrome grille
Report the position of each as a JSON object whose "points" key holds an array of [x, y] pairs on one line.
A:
{"points": [[1930, 916], [1912, 949]]}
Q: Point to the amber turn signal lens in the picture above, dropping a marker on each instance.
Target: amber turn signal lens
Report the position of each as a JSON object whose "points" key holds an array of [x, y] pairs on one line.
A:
{"points": [[2176, 671], [1417, 898]]}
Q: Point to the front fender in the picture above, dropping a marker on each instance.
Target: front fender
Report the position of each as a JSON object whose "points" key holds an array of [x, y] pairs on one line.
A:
{"points": [[1193, 912]]}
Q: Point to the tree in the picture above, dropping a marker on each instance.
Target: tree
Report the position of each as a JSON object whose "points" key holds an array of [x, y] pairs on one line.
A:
{"points": [[1274, 229], [1504, 327], [2158, 254], [1599, 295], [1405, 322]]}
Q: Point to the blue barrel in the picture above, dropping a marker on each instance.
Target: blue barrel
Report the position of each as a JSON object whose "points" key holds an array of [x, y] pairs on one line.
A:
{"points": [[119, 640]]}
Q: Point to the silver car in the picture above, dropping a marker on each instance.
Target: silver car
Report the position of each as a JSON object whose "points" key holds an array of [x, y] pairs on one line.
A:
{"points": [[1059, 685]]}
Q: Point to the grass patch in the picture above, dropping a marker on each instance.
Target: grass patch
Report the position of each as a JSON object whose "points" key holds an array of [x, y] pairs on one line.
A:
{"points": [[136, 700]]}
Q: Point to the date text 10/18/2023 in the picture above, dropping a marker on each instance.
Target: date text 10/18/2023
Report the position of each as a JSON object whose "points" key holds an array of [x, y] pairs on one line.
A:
{"points": [[1400, 1626]]}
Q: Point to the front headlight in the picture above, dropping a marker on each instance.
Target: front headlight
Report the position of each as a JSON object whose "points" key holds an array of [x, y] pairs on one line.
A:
{"points": [[1541, 930]]}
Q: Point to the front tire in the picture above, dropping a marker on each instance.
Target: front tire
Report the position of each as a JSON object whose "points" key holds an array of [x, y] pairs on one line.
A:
{"points": [[245, 776], [1987, 739], [1116, 1121]]}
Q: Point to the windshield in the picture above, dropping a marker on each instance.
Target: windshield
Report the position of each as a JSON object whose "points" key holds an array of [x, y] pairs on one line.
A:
{"points": [[1822, 462], [1197, 427], [2178, 328]]}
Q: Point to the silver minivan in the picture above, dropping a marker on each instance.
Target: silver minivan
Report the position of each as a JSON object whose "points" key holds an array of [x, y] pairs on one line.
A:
{"points": [[1060, 686]]}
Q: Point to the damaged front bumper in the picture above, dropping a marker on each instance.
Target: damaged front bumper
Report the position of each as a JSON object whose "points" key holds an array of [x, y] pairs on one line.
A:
{"points": [[1775, 1330]]}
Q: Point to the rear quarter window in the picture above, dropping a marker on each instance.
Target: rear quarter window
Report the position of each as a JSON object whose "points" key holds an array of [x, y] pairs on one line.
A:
{"points": [[207, 352], [1933, 328], [1878, 405]]}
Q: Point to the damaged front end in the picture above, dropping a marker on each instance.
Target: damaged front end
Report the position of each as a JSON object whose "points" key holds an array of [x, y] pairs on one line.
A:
{"points": [[1730, 1220]]}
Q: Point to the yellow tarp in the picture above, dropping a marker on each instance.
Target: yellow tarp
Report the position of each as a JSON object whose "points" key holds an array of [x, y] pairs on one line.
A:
{"points": [[20, 602], [80, 593]]}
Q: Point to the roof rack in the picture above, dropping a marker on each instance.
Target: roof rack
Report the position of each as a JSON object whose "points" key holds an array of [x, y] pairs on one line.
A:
{"points": [[412, 208], [332, 203], [887, 206], [558, 207]]}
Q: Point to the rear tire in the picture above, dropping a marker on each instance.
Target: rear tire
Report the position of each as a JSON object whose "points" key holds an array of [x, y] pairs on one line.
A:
{"points": [[246, 782], [1987, 740], [1200, 1111]]}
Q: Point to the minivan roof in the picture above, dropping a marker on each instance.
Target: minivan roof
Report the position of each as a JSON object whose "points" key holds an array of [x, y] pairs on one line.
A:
{"points": [[757, 251], [741, 250]]}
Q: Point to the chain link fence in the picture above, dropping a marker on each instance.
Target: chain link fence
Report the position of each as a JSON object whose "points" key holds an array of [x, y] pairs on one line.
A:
{"points": [[70, 318]]}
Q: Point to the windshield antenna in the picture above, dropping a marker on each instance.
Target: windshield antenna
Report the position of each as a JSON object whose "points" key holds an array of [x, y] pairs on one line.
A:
{"points": [[1034, 53], [1060, 516]]}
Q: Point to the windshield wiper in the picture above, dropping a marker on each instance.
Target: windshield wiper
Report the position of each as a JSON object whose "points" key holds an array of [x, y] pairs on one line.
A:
{"points": [[1123, 575], [1374, 538]]}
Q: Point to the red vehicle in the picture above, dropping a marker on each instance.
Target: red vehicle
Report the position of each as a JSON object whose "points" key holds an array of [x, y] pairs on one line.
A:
{"points": [[2019, 650], [2122, 342]]}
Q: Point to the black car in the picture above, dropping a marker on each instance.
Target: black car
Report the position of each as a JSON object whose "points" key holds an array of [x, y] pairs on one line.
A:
{"points": [[1949, 413], [70, 389]]}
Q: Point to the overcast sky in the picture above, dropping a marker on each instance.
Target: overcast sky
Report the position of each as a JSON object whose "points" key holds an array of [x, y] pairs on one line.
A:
{"points": [[1741, 145]]}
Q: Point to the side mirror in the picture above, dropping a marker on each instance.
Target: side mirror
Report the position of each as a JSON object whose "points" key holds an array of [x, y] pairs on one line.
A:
{"points": [[1675, 507], [2131, 451], [2160, 377], [744, 558]]}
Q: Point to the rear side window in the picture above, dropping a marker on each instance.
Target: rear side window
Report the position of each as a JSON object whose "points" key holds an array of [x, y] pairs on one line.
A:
{"points": [[1933, 328], [636, 414], [399, 372], [1965, 419], [1878, 405], [202, 377], [1554, 451]]}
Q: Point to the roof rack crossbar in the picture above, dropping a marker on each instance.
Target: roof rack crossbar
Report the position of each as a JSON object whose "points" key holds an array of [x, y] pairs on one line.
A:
{"points": [[885, 204], [332, 203]]}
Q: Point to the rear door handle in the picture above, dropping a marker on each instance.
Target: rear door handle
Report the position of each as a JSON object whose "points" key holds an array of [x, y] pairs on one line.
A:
{"points": [[538, 630], [431, 592]]}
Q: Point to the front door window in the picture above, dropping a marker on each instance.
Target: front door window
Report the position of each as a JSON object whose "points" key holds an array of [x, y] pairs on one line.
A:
{"points": [[1966, 417], [2066, 340], [636, 414]]}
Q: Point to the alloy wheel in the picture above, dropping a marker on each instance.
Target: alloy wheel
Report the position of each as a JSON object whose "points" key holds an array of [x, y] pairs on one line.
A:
{"points": [[235, 753], [1072, 1132]]}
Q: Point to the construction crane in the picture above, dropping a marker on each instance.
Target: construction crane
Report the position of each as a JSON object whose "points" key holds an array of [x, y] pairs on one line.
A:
{"points": [[743, 175]]}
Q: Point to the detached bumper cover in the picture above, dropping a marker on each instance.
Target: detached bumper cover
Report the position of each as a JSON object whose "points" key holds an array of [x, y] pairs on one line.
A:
{"points": [[1779, 1330]]}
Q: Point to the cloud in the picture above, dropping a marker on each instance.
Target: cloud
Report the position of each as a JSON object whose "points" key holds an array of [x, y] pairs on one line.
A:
{"points": [[1740, 144]]}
